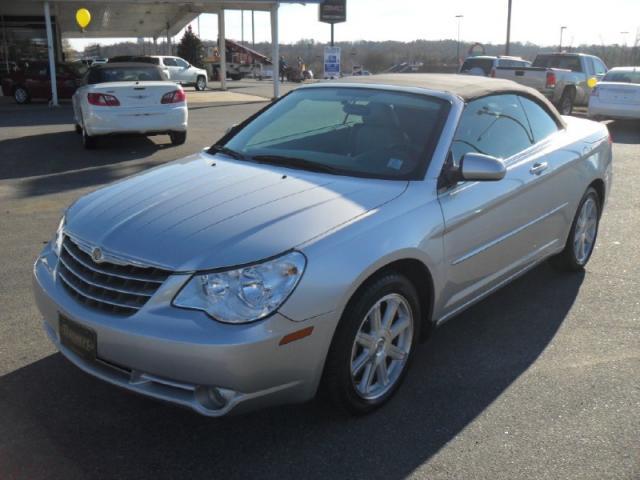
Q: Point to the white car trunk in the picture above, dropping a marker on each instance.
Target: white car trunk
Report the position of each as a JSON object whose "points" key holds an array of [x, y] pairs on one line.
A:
{"points": [[616, 92], [135, 94]]}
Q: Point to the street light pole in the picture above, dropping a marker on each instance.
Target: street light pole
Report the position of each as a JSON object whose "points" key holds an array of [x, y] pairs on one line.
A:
{"points": [[507, 45], [562, 29], [459, 17]]}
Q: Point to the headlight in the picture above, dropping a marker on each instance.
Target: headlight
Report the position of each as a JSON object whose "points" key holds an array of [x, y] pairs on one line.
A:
{"points": [[244, 294], [57, 241]]}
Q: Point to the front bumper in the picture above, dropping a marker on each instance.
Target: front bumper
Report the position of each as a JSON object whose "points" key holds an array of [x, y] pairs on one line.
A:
{"points": [[182, 356], [113, 120]]}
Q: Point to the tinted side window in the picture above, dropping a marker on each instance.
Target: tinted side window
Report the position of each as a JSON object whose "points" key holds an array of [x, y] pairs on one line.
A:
{"points": [[541, 123], [495, 125], [169, 62]]}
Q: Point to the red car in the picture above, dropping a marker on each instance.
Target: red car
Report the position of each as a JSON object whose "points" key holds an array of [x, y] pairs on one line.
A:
{"points": [[33, 81]]}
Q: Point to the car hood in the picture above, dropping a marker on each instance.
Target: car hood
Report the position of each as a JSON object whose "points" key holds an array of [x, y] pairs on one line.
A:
{"points": [[207, 211]]}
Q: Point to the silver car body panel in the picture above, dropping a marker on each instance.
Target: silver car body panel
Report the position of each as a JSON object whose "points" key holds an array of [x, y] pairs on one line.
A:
{"points": [[193, 215]]}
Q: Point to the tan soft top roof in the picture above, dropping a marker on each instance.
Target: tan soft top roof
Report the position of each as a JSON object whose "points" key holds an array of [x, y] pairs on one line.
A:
{"points": [[467, 87]]}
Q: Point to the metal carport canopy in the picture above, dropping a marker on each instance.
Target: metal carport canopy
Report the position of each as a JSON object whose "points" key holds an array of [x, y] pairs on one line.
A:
{"points": [[143, 18]]}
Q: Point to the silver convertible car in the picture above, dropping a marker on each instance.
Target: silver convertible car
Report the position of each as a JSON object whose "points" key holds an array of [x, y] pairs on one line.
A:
{"points": [[316, 243]]}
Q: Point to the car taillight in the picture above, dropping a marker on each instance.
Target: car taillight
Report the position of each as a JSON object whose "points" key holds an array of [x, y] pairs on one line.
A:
{"points": [[103, 100], [551, 80], [176, 96]]}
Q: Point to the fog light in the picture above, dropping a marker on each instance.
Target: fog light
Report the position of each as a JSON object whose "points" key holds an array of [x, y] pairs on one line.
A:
{"points": [[214, 398]]}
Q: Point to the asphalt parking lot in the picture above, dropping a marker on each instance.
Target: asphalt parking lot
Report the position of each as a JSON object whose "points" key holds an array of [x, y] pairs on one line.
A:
{"points": [[539, 381]]}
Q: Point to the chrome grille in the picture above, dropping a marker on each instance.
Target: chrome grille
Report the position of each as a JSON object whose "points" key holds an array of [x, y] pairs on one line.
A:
{"points": [[120, 289]]}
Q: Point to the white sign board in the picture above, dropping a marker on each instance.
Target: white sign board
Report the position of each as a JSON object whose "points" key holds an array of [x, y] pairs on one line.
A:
{"points": [[331, 62]]}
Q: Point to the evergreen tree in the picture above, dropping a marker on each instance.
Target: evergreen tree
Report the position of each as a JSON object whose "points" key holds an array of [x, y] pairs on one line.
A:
{"points": [[191, 48]]}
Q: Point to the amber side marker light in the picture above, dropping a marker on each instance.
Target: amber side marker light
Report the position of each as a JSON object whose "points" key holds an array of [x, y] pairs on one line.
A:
{"points": [[298, 335]]}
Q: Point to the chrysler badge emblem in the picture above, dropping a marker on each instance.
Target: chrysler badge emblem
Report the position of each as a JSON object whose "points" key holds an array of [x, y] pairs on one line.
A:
{"points": [[96, 255]]}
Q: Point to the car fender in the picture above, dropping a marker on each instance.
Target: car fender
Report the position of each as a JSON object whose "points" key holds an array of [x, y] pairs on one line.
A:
{"points": [[340, 261]]}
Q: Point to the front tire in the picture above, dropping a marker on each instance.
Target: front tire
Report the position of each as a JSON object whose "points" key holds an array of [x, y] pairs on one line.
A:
{"points": [[201, 83], [178, 138], [21, 95], [582, 236], [373, 345]]}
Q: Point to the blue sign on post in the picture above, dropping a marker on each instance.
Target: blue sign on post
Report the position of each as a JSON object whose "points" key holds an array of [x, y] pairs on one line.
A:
{"points": [[331, 62]]}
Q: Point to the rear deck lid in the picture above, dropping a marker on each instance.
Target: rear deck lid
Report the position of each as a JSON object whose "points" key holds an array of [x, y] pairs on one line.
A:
{"points": [[136, 94]]}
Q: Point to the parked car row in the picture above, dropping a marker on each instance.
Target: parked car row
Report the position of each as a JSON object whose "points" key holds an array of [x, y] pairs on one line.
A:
{"points": [[33, 81], [566, 79]]}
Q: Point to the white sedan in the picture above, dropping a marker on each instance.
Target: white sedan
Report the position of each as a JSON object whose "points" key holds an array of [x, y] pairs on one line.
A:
{"points": [[617, 96], [118, 98]]}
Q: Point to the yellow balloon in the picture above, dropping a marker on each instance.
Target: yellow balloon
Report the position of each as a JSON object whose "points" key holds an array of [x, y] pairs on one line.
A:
{"points": [[592, 82], [83, 17]]}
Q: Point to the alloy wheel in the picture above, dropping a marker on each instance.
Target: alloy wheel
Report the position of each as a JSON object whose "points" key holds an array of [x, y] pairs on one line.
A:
{"points": [[585, 232], [20, 95], [382, 346]]}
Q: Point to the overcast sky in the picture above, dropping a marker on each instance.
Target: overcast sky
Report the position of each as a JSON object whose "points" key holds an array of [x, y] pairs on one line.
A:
{"points": [[537, 21]]}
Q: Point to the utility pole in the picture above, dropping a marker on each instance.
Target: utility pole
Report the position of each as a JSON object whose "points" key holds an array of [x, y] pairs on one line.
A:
{"points": [[241, 27], [332, 42], [562, 29], [459, 17], [253, 30], [507, 45]]}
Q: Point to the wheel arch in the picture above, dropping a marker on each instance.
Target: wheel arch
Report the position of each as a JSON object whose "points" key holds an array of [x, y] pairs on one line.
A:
{"points": [[421, 278], [599, 186]]}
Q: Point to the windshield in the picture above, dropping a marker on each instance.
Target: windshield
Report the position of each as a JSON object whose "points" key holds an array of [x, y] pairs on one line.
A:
{"points": [[123, 74], [623, 76], [350, 131]]}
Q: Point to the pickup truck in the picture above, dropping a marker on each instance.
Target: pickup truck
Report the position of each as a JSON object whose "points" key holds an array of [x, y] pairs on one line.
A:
{"points": [[564, 78]]}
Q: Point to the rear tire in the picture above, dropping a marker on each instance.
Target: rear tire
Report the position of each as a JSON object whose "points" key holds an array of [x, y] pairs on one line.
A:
{"points": [[178, 138], [565, 105], [582, 236], [88, 141], [201, 83], [21, 95], [366, 364]]}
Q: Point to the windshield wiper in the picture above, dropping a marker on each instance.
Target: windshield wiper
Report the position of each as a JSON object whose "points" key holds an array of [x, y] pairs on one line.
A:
{"points": [[227, 151], [301, 163]]}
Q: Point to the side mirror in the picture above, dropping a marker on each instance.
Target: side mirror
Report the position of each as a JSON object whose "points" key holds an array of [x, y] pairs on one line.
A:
{"points": [[480, 167], [231, 129]]}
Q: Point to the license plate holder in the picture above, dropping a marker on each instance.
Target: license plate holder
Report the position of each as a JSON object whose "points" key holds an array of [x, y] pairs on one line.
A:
{"points": [[79, 339]]}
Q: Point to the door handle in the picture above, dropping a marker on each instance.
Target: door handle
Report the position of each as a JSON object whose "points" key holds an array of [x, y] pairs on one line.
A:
{"points": [[538, 168]]}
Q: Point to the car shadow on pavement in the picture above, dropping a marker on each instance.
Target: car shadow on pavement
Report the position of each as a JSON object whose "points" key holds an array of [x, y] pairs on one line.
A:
{"points": [[88, 429], [37, 113], [54, 162]]}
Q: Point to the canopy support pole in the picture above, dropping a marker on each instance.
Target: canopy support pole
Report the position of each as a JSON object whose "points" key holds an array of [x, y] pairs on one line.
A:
{"points": [[222, 47], [52, 60], [275, 52]]}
